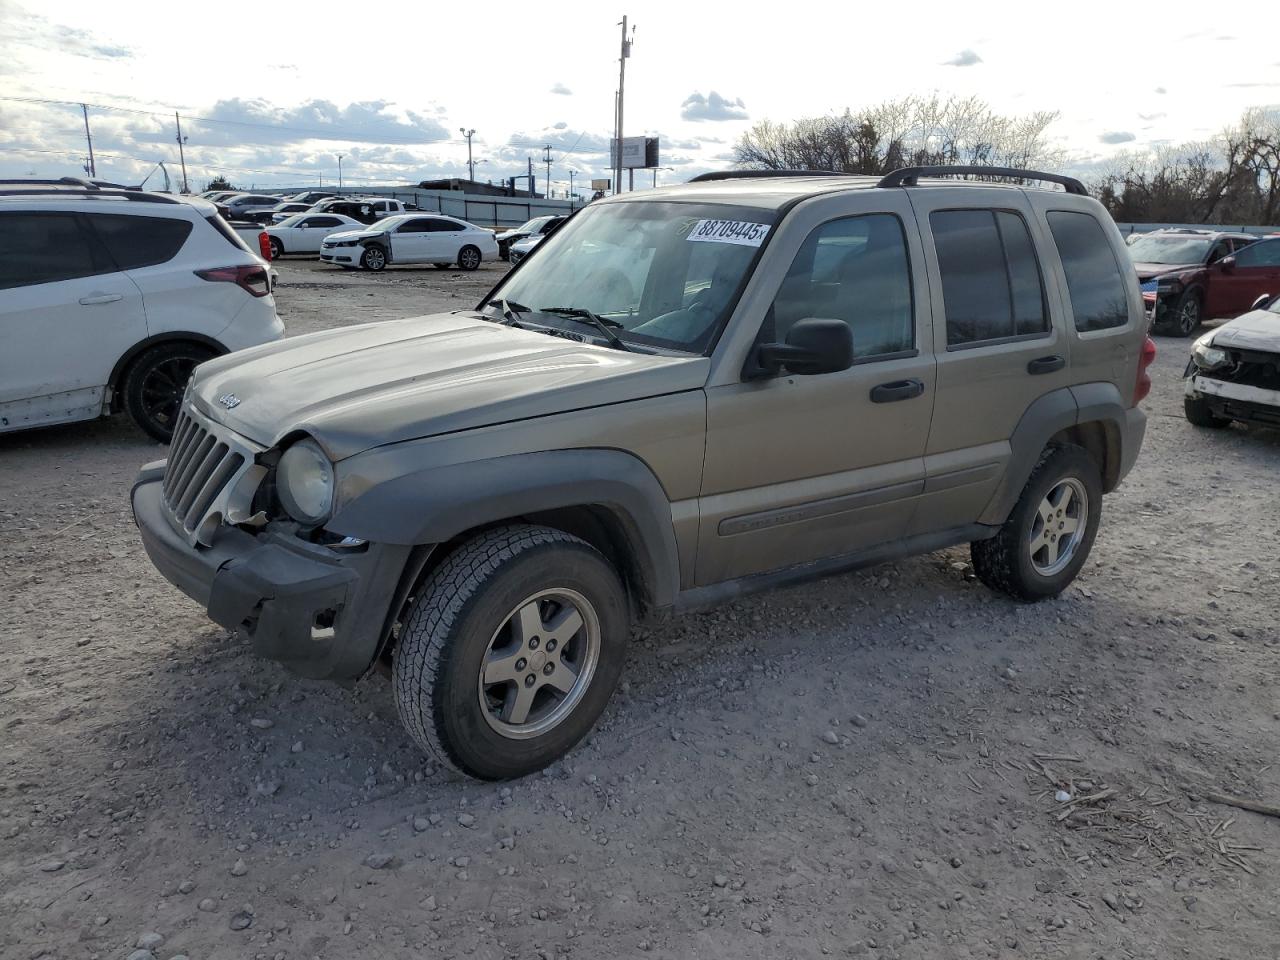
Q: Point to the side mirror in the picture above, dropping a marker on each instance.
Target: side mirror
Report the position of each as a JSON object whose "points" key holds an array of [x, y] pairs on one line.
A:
{"points": [[814, 345], [1261, 302], [1227, 264]]}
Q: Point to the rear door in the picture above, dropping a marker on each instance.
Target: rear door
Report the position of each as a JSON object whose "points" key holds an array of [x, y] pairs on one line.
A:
{"points": [[998, 344], [66, 315], [311, 231], [447, 239]]}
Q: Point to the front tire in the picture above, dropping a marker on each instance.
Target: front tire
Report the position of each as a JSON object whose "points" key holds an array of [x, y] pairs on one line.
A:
{"points": [[1199, 415], [374, 258], [1047, 538], [469, 258], [154, 385], [277, 249], [1184, 318], [511, 651]]}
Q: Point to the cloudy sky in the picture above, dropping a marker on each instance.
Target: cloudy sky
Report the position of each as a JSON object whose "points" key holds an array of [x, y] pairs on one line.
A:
{"points": [[271, 93]]}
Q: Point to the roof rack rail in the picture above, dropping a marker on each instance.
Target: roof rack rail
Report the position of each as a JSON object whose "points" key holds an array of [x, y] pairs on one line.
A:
{"points": [[47, 189], [908, 176], [754, 174]]}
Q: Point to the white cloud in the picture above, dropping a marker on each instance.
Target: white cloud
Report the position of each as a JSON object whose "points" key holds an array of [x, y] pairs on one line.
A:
{"points": [[561, 89], [712, 107], [1117, 136], [965, 58]]}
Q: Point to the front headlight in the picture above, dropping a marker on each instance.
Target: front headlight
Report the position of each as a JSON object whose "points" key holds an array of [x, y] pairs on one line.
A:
{"points": [[304, 482], [1207, 356]]}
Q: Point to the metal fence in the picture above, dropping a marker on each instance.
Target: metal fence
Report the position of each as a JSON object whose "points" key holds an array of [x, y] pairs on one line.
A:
{"points": [[484, 211], [1128, 228]]}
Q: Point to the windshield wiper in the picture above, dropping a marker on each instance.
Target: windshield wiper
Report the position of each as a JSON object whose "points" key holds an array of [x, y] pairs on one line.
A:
{"points": [[510, 312], [592, 319]]}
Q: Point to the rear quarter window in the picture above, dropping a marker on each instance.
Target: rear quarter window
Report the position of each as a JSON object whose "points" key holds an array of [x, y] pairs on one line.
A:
{"points": [[1097, 287], [136, 242]]}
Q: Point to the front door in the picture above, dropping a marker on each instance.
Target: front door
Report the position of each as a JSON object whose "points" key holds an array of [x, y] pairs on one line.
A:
{"points": [[66, 316], [800, 468], [1234, 286], [411, 242]]}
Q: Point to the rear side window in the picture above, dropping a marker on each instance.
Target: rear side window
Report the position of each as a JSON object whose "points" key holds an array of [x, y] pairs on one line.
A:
{"points": [[135, 242], [47, 247], [1098, 290], [991, 285], [324, 222], [443, 226]]}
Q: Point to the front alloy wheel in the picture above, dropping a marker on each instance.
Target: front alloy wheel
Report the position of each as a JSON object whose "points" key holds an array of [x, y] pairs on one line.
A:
{"points": [[510, 651], [374, 258]]}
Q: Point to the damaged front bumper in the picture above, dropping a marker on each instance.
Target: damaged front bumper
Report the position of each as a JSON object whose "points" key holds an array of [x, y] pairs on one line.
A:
{"points": [[321, 612], [1234, 401]]}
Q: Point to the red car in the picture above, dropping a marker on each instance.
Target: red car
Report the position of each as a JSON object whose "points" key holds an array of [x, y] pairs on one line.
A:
{"points": [[1223, 287]]}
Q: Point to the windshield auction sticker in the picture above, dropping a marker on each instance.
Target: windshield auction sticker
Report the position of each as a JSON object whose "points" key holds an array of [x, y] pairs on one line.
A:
{"points": [[729, 231]]}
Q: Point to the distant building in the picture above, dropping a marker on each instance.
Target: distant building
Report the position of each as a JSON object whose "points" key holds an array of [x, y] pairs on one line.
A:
{"points": [[462, 185]]}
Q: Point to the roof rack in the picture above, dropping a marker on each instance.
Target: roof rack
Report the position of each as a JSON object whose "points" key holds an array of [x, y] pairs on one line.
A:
{"points": [[754, 174], [79, 187], [908, 176]]}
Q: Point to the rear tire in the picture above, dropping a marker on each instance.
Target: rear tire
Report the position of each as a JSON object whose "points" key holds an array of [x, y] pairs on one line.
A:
{"points": [[1047, 538], [1199, 415], [469, 258], [492, 624], [155, 382]]}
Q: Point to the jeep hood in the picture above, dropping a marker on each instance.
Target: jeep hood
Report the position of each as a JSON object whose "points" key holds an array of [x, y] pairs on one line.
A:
{"points": [[366, 386], [1256, 330]]}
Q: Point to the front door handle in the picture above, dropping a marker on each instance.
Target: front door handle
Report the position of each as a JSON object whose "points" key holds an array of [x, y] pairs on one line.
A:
{"points": [[1046, 364], [897, 390], [101, 298]]}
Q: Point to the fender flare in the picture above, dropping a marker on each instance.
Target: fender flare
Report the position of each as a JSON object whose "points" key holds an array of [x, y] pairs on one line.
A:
{"points": [[434, 504], [1050, 414]]}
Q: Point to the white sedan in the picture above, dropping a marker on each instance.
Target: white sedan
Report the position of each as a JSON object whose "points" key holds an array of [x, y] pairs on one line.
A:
{"points": [[412, 238], [305, 232]]}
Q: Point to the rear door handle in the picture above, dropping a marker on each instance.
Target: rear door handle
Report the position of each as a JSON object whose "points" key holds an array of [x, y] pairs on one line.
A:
{"points": [[1046, 364], [101, 298], [897, 390]]}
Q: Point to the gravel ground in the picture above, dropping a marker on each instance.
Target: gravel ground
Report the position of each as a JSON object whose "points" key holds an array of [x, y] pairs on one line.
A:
{"points": [[865, 766]]}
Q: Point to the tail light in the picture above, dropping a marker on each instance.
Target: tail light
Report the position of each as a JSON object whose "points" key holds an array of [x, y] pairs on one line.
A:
{"points": [[252, 279], [1143, 385], [264, 245]]}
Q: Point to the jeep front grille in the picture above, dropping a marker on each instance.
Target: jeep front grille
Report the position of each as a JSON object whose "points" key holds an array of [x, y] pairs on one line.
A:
{"points": [[209, 474]]}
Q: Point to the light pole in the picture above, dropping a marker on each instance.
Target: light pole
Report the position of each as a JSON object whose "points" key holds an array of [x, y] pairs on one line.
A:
{"points": [[339, 173], [470, 166], [655, 173]]}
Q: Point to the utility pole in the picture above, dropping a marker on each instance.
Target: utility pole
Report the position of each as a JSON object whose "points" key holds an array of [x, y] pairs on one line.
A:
{"points": [[181, 155], [339, 173], [547, 159], [622, 77], [470, 166], [531, 186], [571, 188], [93, 167]]}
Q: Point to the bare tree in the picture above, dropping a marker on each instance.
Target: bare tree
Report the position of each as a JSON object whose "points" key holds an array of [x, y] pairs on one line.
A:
{"points": [[911, 131]]}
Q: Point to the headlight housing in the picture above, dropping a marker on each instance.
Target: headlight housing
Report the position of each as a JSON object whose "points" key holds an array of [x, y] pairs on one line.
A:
{"points": [[1207, 356], [304, 483]]}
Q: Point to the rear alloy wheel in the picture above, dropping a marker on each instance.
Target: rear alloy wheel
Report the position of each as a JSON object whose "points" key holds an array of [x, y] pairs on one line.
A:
{"points": [[155, 383], [469, 258], [1049, 533], [510, 651], [374, 258], [277, 249]]}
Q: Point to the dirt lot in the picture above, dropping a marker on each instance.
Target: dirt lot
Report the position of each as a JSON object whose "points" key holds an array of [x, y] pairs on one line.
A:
{"points": [[865, 766]]}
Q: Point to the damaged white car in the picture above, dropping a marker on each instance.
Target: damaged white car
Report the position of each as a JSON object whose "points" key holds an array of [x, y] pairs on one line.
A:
{"points": [[1234, 371]]}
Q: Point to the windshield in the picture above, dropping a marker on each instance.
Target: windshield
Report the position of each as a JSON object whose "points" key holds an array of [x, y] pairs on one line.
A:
{"points": [[1274, 305], [289, 222], [659, 272], [1155, 248]]}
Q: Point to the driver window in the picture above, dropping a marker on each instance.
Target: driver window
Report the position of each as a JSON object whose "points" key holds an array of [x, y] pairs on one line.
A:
{"points": [[1220, 250], [854, 269]]}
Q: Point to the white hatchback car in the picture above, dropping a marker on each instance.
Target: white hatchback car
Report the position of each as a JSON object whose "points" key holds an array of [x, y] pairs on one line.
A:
{"points": [[109, 298], [304, 233], [412, 238]]}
